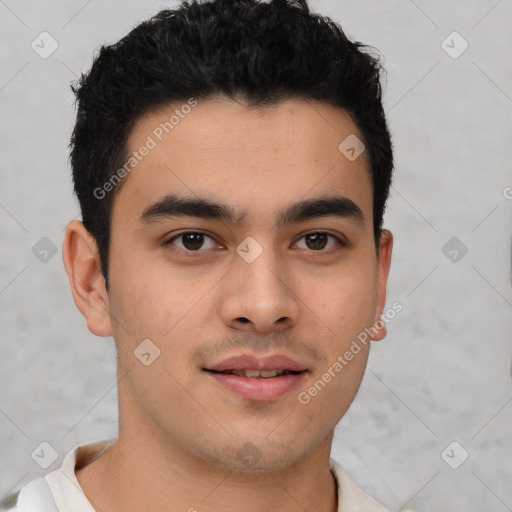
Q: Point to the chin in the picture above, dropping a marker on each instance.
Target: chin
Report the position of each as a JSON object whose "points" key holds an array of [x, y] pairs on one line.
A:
{"points": [[246, 457]]}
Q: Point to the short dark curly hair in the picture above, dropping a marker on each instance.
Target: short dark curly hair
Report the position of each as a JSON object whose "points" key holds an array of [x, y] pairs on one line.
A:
{"points": [[264, 52]]}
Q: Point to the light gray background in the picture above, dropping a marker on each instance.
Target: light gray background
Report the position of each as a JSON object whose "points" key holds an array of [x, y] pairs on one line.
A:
{"points": [[443, 372]]}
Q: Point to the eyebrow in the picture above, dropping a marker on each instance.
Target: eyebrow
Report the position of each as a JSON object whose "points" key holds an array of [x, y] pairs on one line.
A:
{"points": [[174, 205]]}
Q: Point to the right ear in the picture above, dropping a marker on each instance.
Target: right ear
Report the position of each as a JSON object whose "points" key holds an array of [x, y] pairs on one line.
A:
{"points": [[82, 263]]}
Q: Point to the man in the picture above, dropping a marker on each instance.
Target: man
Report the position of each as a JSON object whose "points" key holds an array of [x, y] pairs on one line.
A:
{"points": [[232, 163]]}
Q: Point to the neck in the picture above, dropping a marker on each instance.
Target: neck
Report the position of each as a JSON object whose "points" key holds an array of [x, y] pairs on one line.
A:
{"points": [[134, 475]]}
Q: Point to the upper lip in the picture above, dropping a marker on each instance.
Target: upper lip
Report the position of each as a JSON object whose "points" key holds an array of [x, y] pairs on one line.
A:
{"points": [[250, 362]]}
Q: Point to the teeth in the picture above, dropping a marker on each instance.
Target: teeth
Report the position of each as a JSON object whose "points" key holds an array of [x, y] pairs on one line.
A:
{"points": [[254, 374]]}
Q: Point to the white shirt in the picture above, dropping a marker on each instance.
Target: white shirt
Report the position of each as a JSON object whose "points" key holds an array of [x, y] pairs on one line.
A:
{"points": [[60, 491]]}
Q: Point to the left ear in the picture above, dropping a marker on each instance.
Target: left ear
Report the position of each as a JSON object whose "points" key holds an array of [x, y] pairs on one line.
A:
{"points": [[383, 265]]}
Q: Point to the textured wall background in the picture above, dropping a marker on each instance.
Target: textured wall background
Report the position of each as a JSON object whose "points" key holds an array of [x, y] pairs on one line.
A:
{"points": [[443, 374]]}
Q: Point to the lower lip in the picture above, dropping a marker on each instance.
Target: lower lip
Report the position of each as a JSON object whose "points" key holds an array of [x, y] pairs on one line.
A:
{"points": [[259, 388]]}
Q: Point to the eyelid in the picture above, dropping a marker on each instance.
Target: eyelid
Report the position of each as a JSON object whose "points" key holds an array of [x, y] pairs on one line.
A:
{"points": [[340, 238], [168, 240]]}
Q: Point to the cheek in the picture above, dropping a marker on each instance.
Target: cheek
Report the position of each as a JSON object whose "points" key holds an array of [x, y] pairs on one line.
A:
{"points": [[328, 395], [153, 303], [148, 299], [345, 302]]}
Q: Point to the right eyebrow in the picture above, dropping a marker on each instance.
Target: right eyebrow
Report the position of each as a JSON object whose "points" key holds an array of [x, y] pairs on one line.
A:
{"points": [[173, 205]]}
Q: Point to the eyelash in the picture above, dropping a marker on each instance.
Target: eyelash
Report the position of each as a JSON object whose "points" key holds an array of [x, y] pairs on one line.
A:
{"points": [[341, 242]]}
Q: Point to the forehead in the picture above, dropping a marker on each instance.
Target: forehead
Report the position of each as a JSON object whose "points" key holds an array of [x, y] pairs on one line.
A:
{"points": [[247, 157]]}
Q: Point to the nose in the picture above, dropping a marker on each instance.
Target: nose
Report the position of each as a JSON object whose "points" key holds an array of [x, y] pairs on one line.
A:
{"points": [[259, 296]]}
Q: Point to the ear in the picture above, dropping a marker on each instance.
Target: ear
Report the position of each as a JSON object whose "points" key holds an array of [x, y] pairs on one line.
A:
{"points": [[383, 265], [82, 263]]}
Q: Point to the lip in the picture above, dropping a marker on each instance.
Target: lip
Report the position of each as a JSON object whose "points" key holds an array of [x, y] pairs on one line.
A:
{"points": [[250, 362], [270, 388], [258, 388]]}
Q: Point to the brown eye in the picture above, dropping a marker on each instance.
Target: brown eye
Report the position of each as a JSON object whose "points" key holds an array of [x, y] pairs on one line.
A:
{"points": [[318, 241], [191, 241]]}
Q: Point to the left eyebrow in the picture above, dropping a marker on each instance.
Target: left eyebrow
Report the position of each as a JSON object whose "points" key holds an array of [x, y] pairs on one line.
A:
{"points": [[177, 206]]}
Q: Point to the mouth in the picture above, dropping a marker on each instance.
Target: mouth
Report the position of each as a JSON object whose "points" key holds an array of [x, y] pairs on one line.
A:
{"points": [[266, 378], [257, 374]]}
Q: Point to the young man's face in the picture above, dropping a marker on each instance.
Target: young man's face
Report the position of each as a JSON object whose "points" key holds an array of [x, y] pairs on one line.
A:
{"points": [[264, 286]]}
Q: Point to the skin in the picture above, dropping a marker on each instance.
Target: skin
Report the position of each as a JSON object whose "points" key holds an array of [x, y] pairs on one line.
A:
{"points": [[179, 431]]}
